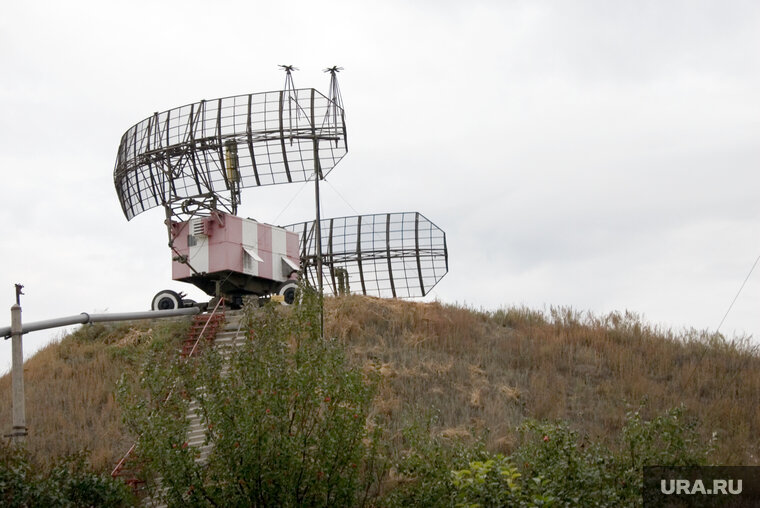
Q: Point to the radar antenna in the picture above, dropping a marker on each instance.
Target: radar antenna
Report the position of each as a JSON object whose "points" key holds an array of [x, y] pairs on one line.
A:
{"points": [[389, 254], [194, 161]]}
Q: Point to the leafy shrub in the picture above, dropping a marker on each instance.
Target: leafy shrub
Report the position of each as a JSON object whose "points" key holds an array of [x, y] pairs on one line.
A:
{"points": [[669, 439], [552, 467], [493, 482], [560, 469], [69, 482], [286, 415], [422, 470]]}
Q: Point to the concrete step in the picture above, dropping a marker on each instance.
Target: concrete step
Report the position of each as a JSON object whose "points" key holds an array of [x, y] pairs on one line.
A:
{"points": [[228, 337]]}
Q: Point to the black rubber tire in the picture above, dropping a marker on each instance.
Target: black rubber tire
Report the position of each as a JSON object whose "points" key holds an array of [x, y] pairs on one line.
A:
{"points": [[166, 300], [289, 291]]}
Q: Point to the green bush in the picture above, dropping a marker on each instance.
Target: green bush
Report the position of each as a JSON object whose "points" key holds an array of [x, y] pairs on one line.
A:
{"points": [[68, 482], [560, 469], [423, 467], [553, 466], [286, 415], [493, 482], [670, 439]]}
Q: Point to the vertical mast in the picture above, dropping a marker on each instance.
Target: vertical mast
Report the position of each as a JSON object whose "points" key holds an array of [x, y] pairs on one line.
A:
{"points": [[291, 95], [18, 435], [335, 104]]}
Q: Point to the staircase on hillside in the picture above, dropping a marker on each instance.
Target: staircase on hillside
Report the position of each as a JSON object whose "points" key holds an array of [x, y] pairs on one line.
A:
{"points": [[203, 327], [223, 331], [230, 336]]}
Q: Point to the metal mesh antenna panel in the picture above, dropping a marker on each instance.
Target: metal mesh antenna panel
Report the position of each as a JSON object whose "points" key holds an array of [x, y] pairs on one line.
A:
{"points": [[213, 148], [388, 255]]}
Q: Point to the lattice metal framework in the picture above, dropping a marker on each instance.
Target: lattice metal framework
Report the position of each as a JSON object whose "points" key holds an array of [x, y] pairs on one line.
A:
{"points": [[201, 155], [388, 255]]}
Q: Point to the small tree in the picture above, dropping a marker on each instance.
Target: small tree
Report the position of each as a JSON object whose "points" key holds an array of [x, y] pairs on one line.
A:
{"points": [[286, 415]]}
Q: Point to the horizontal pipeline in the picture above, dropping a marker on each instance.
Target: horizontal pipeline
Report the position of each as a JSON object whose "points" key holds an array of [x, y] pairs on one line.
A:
{"points": [[85, 318]]}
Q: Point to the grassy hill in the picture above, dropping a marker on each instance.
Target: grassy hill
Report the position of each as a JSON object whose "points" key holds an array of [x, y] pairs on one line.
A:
{"points": [[473, 371]]}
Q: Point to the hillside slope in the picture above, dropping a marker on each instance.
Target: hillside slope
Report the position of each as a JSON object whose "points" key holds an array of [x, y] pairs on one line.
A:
{"points": [[472, 371]]}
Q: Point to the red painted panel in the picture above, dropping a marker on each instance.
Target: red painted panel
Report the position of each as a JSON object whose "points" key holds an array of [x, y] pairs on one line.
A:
{"points": [[180, 270], [292, 250], [225, 245]]}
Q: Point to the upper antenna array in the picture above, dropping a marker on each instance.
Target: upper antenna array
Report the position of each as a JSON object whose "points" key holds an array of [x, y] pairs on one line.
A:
{"points": [[194, 160], [198, 156]]}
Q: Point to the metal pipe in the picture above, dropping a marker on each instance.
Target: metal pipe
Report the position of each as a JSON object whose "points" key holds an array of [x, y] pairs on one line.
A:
{"points": [[85, 318]]}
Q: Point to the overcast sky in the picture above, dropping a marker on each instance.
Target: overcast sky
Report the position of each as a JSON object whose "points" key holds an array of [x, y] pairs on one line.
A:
{"points": [[594, 154]]}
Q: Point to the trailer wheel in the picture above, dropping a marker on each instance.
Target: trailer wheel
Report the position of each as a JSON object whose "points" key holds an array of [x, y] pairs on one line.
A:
{"points": [[288, 291], [166, 300]]}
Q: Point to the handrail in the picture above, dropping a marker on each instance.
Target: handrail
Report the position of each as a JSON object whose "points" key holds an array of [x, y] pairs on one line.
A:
{"points": [[85, 318], [122, 461], [200, 335]]}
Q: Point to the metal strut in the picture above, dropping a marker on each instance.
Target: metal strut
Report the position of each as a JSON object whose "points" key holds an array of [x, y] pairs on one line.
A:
{"points": [[336, 102]]}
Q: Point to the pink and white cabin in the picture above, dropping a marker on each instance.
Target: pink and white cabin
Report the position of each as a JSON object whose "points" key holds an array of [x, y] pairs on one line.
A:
{"points": [[243, 255]]}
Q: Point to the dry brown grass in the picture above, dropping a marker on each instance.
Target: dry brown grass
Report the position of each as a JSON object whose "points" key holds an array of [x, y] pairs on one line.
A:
{"points": [[480, 370], [474, 370], [69, 387]]}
